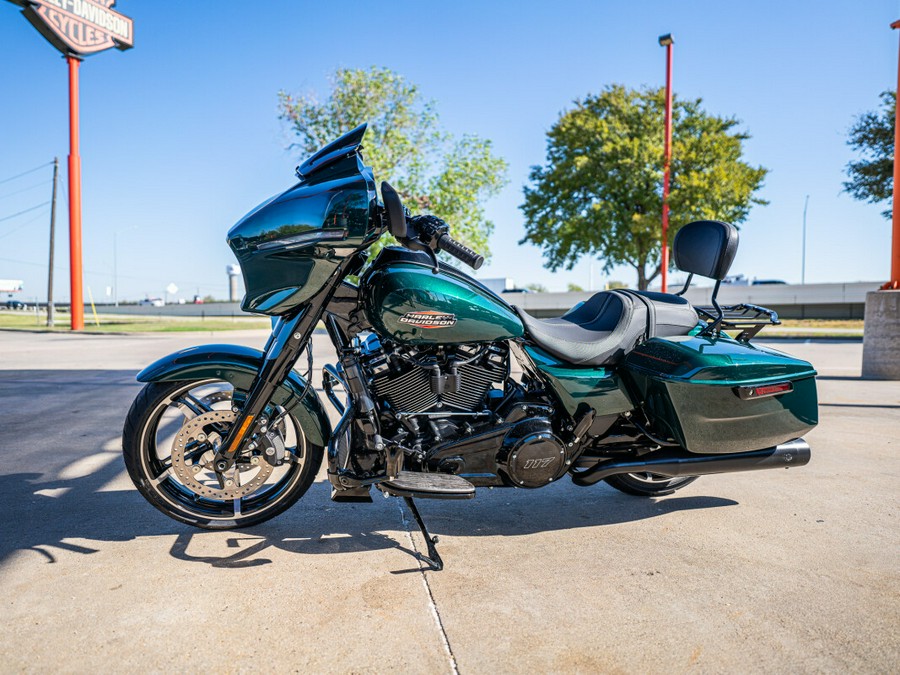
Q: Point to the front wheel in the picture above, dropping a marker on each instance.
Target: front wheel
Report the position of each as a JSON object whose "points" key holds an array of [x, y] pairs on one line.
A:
{"points": [[648, 484], [169, 441]]}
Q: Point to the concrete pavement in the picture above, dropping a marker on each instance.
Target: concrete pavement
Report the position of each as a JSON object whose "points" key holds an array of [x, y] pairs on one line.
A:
{"points": [[787, 571]]}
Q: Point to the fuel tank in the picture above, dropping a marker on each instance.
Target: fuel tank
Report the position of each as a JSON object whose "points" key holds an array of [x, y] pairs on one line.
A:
{"points": [[406, 301]]}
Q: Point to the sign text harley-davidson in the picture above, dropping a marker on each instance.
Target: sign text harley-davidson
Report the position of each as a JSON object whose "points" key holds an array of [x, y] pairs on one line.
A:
{"points": [[429, 319], [80, 27]]}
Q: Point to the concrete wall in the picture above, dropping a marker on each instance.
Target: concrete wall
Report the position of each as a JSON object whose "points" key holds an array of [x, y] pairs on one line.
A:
{"points": [[807, 301], [791, 301], [213, 309]]}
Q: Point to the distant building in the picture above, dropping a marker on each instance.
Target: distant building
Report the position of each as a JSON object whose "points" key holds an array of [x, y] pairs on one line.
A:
{"points": [[499, 285], [10, 285]]}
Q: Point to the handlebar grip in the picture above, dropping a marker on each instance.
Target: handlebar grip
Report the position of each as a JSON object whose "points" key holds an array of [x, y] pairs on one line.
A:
{"points": [[460, 252]]}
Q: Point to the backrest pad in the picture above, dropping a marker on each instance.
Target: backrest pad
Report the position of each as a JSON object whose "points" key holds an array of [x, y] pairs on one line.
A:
{"points": [[706, 248]]}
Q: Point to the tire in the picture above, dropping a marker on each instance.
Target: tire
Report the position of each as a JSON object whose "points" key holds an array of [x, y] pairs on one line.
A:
{"points": [[648, 484], [164, 410]]}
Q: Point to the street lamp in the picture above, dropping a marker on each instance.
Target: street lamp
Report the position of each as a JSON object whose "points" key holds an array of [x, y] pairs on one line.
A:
{"points": [[666, 41], [803, 264], [116, 261]]}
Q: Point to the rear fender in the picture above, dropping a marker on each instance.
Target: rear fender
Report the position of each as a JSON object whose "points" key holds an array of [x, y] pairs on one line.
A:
{"points": [[239, 366]]}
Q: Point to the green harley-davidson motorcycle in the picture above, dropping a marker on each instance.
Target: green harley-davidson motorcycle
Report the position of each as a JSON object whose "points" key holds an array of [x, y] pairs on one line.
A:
{"points": [[638, 389]]}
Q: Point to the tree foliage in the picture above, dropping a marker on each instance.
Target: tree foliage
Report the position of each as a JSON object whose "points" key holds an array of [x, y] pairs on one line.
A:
{"points": [[600, 192], [872, 135], [405, 145]]}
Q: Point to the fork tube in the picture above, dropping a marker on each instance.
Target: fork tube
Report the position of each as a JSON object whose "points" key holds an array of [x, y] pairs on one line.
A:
{"points": [[289, 338]]}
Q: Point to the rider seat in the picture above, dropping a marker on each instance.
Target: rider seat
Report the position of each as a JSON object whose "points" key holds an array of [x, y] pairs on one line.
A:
{"points": [[601, 330], [610, 324]]}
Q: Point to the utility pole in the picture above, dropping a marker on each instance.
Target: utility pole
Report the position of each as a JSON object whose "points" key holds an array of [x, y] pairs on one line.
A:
{"points": [[803, 264], [50, 308]]}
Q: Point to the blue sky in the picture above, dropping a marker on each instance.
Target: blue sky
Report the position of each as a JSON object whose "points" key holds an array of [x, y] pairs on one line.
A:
{"points": [[180, 135]]}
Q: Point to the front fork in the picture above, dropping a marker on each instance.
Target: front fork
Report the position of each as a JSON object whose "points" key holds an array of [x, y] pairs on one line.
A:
{"points": [[290, 337]]}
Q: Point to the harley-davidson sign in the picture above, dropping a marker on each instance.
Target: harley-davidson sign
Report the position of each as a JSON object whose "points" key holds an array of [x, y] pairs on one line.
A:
{"points": [[80, 27]]}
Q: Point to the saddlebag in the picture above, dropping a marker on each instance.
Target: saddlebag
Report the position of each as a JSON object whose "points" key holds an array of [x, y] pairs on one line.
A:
{"points": [[717, 395]]}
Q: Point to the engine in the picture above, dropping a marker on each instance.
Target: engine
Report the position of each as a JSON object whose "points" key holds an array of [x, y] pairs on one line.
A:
{"points": [[457, 409], [445, 379]]}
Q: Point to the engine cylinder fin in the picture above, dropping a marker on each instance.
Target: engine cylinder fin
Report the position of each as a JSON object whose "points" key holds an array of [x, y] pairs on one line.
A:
{"points": [[476, 381], [410, 392], [411, 389]]}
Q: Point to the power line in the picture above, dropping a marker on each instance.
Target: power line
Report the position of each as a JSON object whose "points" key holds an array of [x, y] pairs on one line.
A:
{"points": [[25, 211], [25, 173], [203, 284], [32, 187], [27, 222]]}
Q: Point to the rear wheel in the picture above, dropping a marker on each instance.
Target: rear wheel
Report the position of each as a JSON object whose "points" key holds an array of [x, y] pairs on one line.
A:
{"points": [[170, 438], [648, 484]]}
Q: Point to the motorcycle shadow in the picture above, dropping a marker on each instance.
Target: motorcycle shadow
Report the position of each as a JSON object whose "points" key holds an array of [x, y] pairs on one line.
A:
{"points": [[509, 512], [76, 516], [315, 525]]}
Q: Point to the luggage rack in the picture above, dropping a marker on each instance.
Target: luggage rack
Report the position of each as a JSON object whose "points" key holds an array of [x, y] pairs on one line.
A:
{"points": [[749, 319]]}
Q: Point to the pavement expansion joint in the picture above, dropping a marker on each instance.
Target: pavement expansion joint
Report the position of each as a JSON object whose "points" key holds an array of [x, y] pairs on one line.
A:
{"points": [[435, 612]]}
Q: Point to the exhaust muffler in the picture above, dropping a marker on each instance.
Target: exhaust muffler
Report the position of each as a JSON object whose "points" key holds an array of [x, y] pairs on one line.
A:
{"points": [[676, 463]]}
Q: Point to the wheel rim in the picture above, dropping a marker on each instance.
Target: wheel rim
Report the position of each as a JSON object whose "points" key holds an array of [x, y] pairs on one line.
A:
{"points": [[656, 480], [172, 415], [650, 478]]}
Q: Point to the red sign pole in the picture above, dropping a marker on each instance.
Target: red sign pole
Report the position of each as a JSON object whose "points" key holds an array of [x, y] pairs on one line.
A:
{"points": [[76, 292], [894, 283], [666, 41]]}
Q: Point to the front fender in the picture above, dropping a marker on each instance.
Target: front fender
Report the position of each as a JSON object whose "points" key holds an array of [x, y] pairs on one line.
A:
{"points": [[239, 365]]}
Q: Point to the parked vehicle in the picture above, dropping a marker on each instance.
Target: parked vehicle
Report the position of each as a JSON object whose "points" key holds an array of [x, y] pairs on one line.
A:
{"points": [[741, 280], [637, 389], [16, 304]]}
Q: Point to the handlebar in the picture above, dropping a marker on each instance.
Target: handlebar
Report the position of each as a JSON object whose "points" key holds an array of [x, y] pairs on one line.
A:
{"points": [[462, 253], [431, 234]]}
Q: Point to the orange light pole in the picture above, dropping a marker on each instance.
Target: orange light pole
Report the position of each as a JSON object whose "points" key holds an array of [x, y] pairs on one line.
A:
{"points": [[666, 41], [75, 272], [895, 207]]}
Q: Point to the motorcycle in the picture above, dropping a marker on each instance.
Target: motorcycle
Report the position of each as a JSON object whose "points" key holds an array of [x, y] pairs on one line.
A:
{"points": [[639, 389]]}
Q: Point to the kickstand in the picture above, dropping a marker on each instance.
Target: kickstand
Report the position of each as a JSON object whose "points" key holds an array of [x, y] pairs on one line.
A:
{"points": [[432, 558]]}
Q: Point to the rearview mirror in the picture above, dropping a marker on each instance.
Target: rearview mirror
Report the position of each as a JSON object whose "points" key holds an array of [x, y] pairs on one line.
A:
{"points": [[393, 206]]}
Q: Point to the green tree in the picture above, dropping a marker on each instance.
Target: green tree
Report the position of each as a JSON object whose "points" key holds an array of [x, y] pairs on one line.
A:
{"points": [[575, 288], [600, 192], [872, 135], [405, 145], [537, 288]]}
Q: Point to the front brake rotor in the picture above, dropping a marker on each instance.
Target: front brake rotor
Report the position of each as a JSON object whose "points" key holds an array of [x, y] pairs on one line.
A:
{"points": [[201, 431]]}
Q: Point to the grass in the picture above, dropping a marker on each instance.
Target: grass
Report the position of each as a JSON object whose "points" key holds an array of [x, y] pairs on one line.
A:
{"points": [[815, 328], [834, 324], [16, 320]]}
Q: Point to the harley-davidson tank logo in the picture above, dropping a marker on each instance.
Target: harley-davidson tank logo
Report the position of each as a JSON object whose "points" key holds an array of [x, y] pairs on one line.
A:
{"points": [[80, 26], [429, 319]]}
